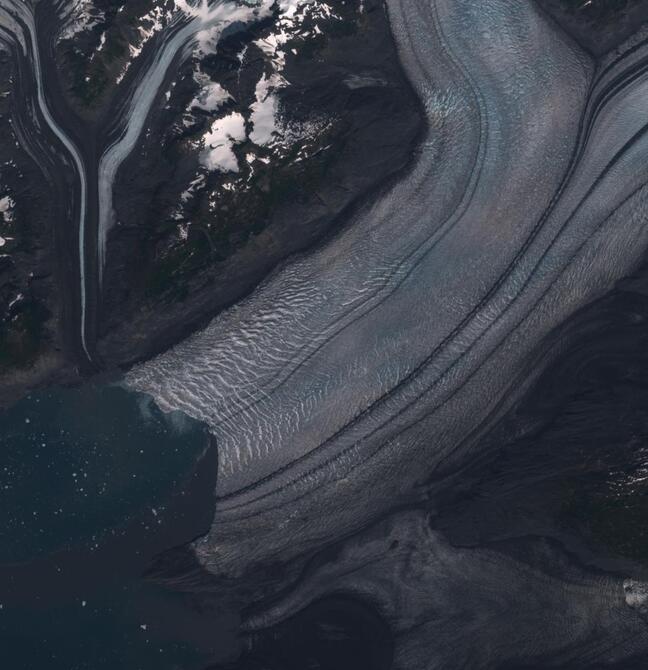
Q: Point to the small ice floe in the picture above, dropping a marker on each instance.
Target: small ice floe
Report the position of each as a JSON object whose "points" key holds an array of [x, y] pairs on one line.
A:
{"points": [[219, 142]]}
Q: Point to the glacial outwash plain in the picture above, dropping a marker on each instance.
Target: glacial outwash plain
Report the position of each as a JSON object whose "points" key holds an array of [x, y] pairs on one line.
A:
{"points": [[324, 334]]}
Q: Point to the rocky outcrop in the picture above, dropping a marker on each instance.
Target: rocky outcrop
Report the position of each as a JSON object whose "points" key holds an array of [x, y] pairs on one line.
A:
{"points": [[268, 124], [324, 116]]}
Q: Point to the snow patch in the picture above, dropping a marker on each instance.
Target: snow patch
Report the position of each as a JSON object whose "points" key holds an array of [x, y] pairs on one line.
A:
{"points": [[78, 16], [210, 20], [268, 128], [219, 142], [6, 208], [264, 111], [211, 96], [150, 24], [194, 186]]}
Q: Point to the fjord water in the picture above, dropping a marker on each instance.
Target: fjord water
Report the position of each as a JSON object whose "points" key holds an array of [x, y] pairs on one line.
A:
{"points": [[95, 482]]}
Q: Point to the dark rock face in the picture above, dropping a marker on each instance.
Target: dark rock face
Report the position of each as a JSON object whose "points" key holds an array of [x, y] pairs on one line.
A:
{"points": [[347, 435], [556, 503], [598, 25], [30, 316], [191, 241], [431, 436], [96, 46], [571, 460], [324, 115]]}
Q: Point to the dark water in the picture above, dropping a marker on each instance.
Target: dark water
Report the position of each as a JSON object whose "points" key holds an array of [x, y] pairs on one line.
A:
{"points": [[94, 483], [560, 484]]}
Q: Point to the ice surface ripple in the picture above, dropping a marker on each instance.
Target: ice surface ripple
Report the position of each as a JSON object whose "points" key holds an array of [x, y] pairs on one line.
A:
{"points": [[377, 359]]}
